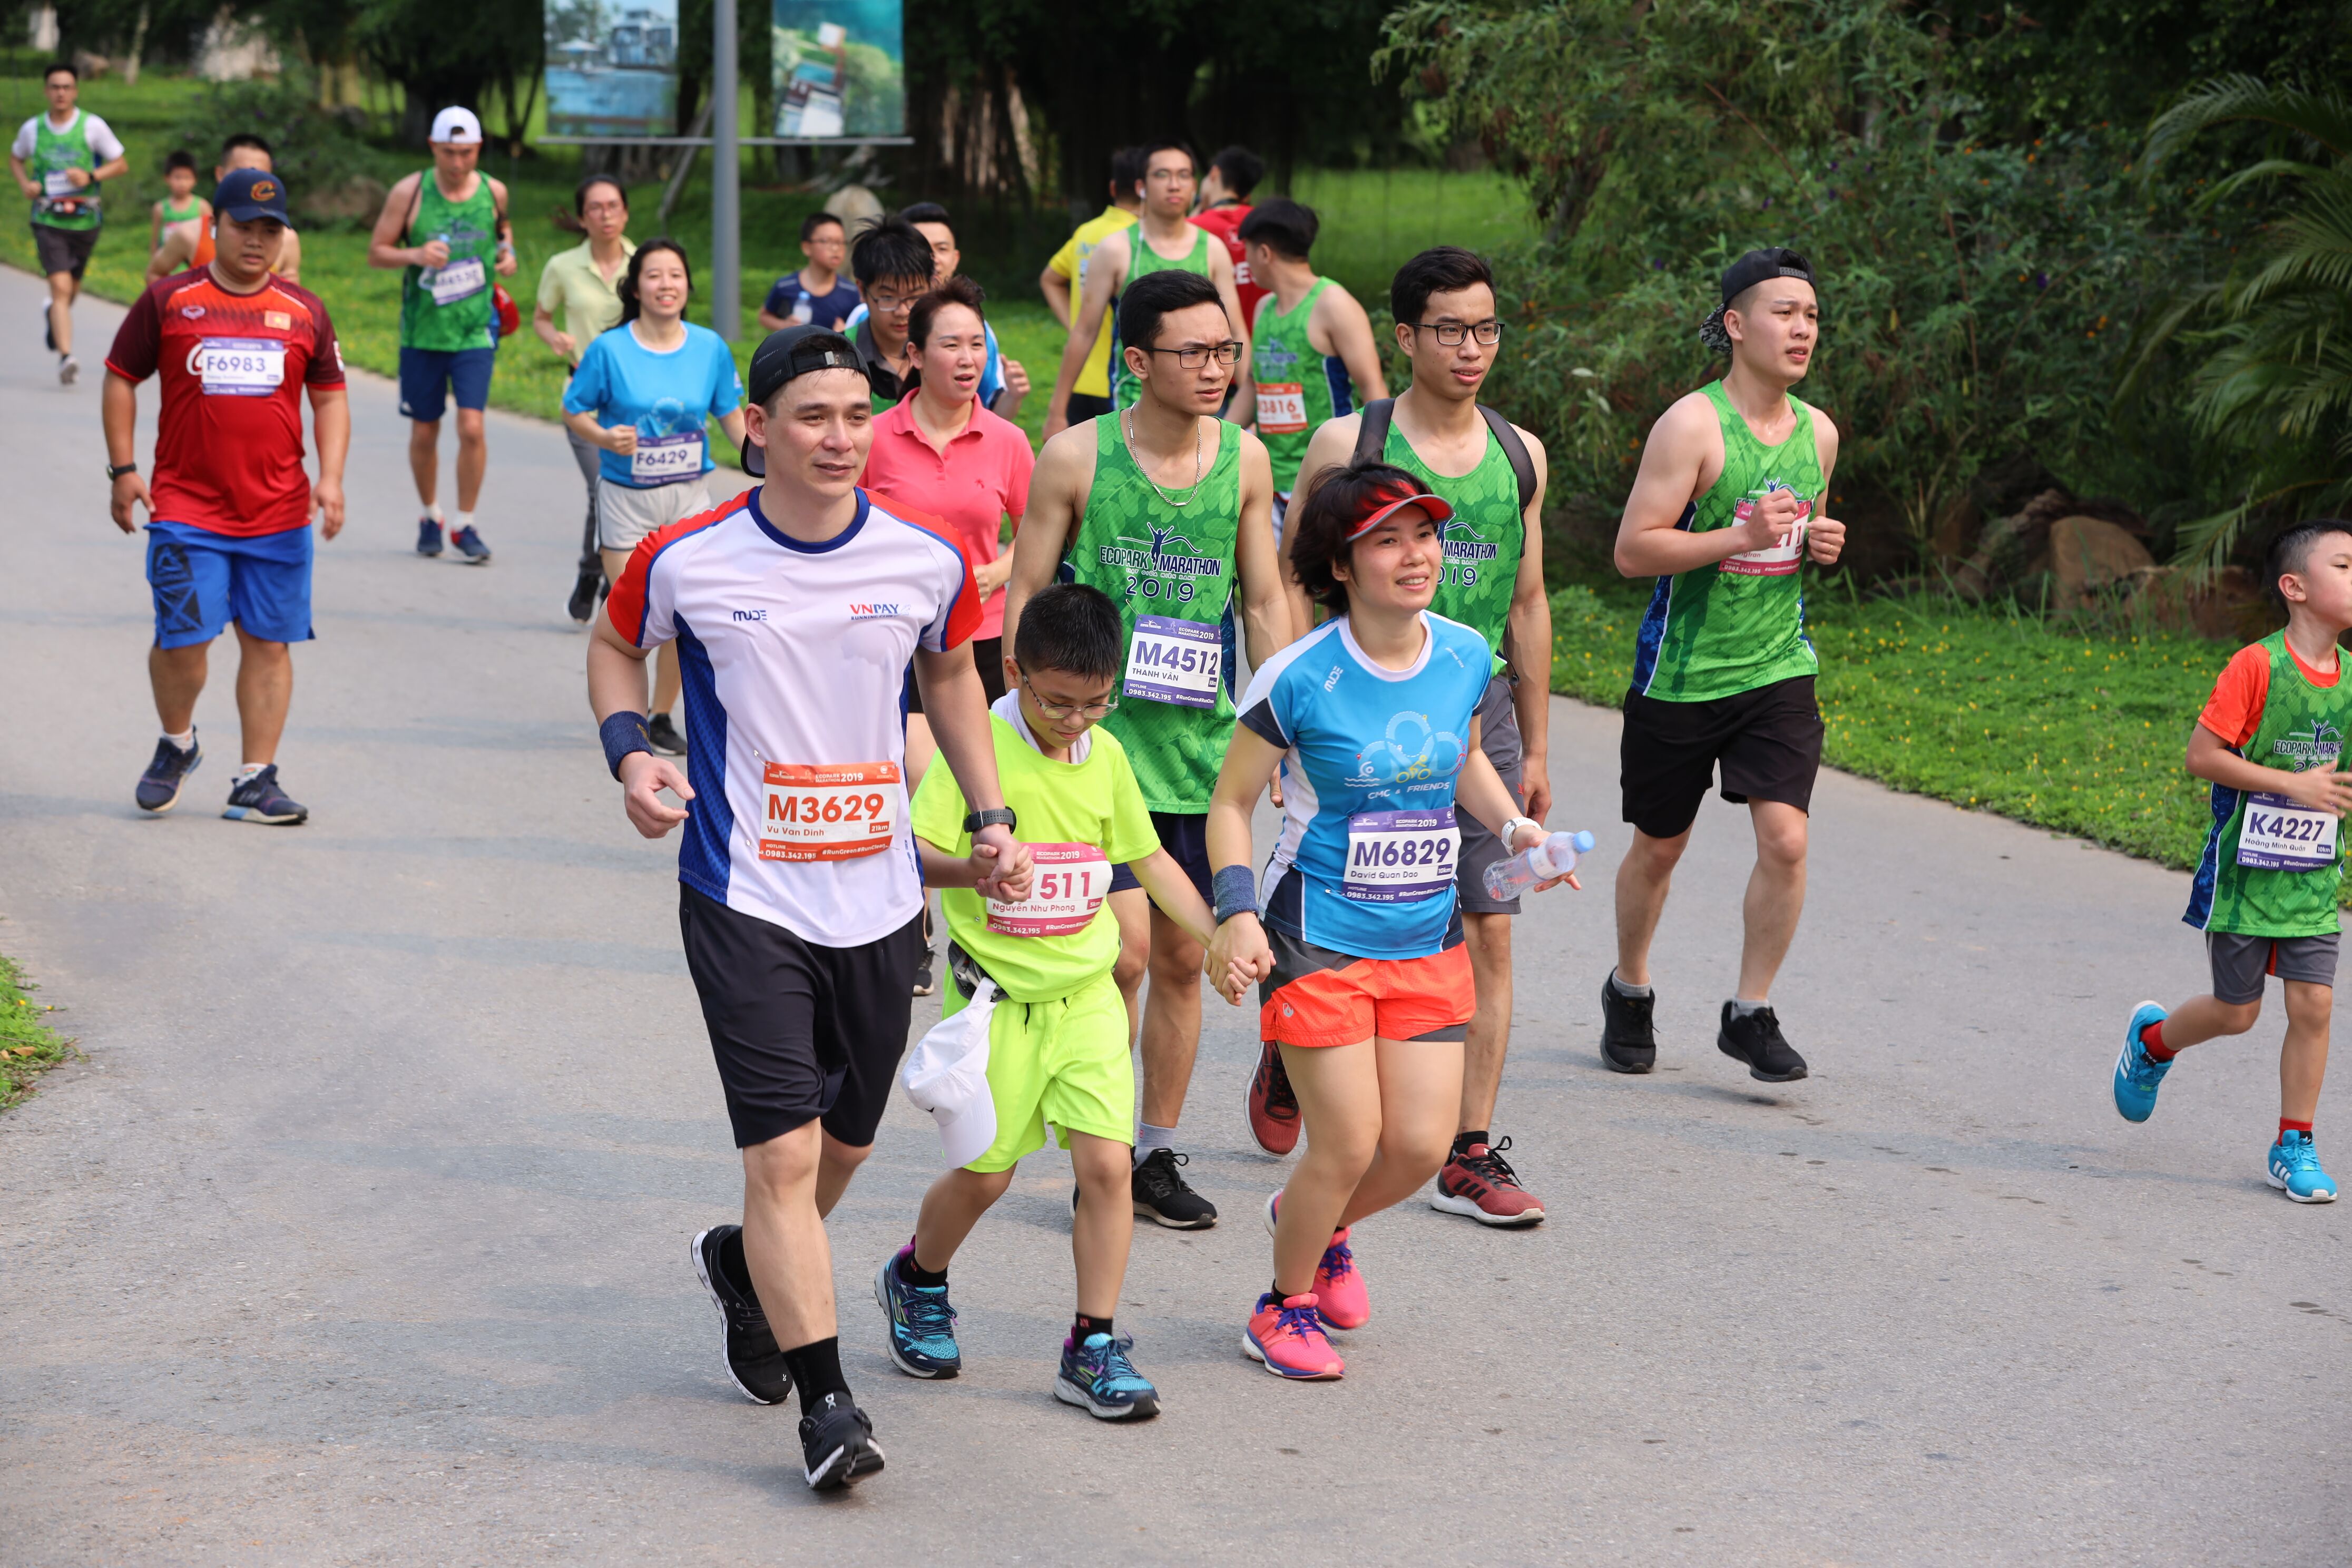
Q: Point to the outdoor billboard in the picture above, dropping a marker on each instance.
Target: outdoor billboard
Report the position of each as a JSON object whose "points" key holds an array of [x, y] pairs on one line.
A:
{"points": [[612, 68], [840, 68]]}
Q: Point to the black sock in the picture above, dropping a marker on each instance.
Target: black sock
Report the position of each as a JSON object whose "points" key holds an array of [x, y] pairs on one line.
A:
{"points": [[1462, 1141], [1275, 1291], [815, 1370], [1082, 1326], [731, 1264], [913, 1273]]}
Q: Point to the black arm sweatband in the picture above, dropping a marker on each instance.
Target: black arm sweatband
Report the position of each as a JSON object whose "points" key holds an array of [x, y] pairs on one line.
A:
{"points": [[623, 733]]}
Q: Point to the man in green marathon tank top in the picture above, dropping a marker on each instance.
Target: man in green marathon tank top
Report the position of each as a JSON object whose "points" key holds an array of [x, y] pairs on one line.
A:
{"points": [[1164, 241], [1725, 511], [1493, 474], [58, 158], [1312, 356], [1169, 509], [447, 229]]}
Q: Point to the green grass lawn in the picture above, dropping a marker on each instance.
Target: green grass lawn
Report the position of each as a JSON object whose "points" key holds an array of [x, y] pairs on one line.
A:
{"points": [[2081, 734], [29, 1047]]}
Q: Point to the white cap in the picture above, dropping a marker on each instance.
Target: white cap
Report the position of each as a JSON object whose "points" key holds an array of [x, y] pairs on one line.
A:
{"points": [[458, 127], [947, 1075]]}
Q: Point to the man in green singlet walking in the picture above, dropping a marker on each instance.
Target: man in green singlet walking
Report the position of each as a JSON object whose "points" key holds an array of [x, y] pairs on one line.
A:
{"points": [[1169, 509], [58, 158], [1312, 356], [1493, 473], [1725, 512], [446, 228], [1164, 241]]}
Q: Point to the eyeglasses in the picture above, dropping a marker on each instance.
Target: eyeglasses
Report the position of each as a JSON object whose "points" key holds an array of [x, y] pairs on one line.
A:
{"points": [[895, 305], [1065, 710], [1488, 332], [1227, 353]]}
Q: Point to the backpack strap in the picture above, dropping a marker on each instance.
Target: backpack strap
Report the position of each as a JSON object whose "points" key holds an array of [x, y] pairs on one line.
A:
{"points": [[1523, 466], [1372, 432]]}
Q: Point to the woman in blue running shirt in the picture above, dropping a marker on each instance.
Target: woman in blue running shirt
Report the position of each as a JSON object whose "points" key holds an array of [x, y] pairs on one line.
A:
{"points": [[1365, 984], [644, 393]]}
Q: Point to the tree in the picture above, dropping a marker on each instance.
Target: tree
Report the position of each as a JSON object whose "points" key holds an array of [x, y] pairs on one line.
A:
{"points": [[442, 53]]}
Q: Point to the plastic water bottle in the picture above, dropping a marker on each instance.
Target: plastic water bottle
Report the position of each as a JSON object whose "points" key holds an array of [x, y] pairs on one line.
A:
{"points": [[1555, 857]]}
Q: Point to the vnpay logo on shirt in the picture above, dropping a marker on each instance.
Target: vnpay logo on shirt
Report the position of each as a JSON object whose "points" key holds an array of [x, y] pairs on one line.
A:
{"points": [[872, 612]]}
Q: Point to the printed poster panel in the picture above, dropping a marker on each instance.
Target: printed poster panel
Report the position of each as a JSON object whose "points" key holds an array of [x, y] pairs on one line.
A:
{"points": [[612, 68], [840, 68]]}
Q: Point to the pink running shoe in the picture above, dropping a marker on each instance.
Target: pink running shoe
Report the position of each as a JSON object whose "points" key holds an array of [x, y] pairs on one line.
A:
{"points": [[1339, 1295], [1286, 1334]]}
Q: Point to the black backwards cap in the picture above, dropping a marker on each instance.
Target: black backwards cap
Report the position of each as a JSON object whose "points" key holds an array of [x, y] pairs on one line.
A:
{"points": [[782, 357], [1756, 267]]}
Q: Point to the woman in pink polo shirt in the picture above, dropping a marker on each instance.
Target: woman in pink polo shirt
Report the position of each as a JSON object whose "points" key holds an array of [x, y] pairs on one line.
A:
{"points": [[941, 460]]}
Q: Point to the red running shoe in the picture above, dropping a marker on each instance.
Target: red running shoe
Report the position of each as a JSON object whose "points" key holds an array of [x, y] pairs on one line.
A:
{"points": [[1288, 1337], [1340, 1299], [1480, 1185], [1273, 1108]]}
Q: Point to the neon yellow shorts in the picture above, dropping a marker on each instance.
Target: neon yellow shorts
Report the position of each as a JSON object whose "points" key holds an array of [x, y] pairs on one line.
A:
{"points": [[1062, 1063]]}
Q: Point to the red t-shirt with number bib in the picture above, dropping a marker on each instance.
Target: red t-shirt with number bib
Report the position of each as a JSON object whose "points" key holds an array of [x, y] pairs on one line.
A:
{"points": [[229, 441]]}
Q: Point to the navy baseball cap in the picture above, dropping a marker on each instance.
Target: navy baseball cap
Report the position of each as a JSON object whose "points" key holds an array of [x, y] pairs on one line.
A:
{"points": [[796, 351], [249, 194]]}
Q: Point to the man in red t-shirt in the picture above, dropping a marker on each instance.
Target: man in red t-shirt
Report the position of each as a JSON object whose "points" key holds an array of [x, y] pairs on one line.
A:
{"points": [[229, 531], [1232, 174]]}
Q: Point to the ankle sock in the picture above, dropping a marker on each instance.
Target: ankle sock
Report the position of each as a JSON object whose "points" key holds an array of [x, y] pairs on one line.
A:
{"points": [[187, 742], [2286, 1127], [815, 1370], [434, 511], [2152, 1038], [1463, 1141], [913, 1273], [1082, 1327], [1741, 1010], [464, 521], [1147, 1138], [247, 773], [1622, 989]]}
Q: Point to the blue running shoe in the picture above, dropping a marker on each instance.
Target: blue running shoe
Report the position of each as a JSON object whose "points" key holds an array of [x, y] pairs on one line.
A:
{"points": [[258, 799], [922, 1325], [428, 537], [1097, 1378], [469, 544], [2293, 1169], [2138, 1074], [159, 787]]}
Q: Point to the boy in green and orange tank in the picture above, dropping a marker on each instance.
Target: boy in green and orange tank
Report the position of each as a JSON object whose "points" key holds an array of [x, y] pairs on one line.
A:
{"points": [[2272, 740]]}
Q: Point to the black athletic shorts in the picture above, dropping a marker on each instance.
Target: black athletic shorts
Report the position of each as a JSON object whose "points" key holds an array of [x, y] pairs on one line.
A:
{"points": [[1768, 741], [1184, 834], [64, 250], [800, 1031], [1499, 737], [1083, 406], [987, 656]]}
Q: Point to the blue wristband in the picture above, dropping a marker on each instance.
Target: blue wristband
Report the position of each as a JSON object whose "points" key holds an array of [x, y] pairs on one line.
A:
{"points": [[623, 733], [1235, 888]]}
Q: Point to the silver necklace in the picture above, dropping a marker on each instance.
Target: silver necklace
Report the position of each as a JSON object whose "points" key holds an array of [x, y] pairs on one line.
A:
{"points": [[1136, 457]]}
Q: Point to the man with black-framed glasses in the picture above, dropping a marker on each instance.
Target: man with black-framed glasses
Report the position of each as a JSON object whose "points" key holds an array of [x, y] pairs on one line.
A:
{"points": [[1170, 510], [1493, 474], [893, 264]]}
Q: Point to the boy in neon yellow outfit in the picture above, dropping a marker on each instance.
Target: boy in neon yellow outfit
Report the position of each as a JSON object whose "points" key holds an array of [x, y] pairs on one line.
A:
{"points": [[1057, 1041]]}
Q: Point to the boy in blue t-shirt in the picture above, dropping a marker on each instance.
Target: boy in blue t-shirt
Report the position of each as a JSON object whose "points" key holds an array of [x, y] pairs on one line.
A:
{"points": [[1057, 1041], [817, 294]]}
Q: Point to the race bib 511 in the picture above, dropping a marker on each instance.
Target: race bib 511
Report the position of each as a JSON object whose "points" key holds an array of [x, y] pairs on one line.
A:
{"points": [[1069, 884], [1400, 857], [2278, 835], [838, 811], [1169, 660]]}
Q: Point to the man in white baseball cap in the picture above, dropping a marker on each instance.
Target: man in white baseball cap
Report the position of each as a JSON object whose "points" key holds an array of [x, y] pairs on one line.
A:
{"points": [[446, 228]]}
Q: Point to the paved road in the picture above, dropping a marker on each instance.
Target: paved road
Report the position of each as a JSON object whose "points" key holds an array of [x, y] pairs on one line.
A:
{"points": [[361, 1238]]}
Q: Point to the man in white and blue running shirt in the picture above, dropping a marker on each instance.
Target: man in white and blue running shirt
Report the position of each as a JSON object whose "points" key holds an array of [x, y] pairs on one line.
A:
{"points": [[797, 608]]}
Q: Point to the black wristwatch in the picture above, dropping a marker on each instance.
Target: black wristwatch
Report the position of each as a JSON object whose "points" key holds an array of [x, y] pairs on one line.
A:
{"points": [[996, 816], [116, 470]]}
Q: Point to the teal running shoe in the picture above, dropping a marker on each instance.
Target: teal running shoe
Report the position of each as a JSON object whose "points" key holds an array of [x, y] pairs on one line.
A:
{"points": [[921, 1339], [2293, 1169], [2138, 1074], [1098, 1377]]}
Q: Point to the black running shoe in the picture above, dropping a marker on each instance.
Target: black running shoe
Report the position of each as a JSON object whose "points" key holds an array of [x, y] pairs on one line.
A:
{"points": [[753, 1362], [159, 787], [1757, 1040], [1162, 1195], [664, 737], [838, 1445], [258, 799], [1628, 1042], [583, 605]]}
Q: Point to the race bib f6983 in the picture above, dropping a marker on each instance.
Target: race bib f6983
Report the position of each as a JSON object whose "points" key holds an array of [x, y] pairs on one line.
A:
{"points": [[238, 367]]}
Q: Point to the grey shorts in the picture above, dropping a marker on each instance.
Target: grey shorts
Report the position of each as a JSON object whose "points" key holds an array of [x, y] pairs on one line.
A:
{"points": [[626, 514], [1499, 737], [2239, 962]]}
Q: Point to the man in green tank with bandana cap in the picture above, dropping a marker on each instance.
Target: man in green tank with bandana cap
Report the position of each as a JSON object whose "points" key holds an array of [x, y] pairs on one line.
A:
{"points": [[445, 228], [1493, 474], [1169, 509], [1726, 510]]}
